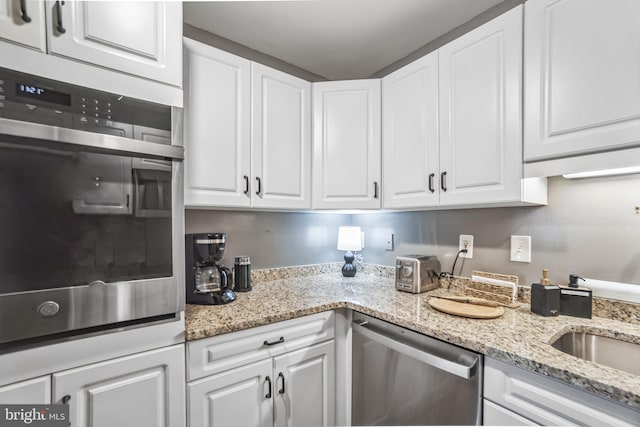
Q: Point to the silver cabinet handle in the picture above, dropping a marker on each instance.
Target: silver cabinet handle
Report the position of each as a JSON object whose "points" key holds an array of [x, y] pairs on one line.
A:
{"points": [[453, 368]]}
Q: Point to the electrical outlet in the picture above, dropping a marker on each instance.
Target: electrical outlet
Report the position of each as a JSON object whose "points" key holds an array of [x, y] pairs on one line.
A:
{"points": [[521, 248], [388, 241], [466, 242]]}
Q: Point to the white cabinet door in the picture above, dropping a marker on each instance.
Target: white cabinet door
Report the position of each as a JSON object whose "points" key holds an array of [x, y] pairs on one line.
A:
{"points": [[281, 139], [346, 144], [217, 127], [33, 391], [142, 38], [238, 397], [304, 389], [480, 113], [141, 390], [23, 26], [582, 88], [410, 163]]}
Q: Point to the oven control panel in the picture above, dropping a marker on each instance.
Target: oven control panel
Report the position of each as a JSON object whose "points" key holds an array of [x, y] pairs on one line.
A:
{"points": [[36, 99]]}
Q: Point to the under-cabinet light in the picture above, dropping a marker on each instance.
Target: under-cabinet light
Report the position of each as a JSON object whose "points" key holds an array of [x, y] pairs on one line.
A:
{"points": [[604, 172]]}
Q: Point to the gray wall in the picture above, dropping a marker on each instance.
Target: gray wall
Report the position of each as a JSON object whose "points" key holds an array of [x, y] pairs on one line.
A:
{"points": [[272, 239], [590, 228]]}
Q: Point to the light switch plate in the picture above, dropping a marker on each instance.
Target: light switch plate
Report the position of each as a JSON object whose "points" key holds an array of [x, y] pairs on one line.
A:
{"points": [[521, 248], [388, 241]]}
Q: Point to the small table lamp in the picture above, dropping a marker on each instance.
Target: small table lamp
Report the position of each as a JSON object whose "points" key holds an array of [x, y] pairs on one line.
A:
{"points": [[349, 239]]}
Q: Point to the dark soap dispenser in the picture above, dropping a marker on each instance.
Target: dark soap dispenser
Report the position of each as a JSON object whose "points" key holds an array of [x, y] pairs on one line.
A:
{"points": [[545, 297], [575, 300]]}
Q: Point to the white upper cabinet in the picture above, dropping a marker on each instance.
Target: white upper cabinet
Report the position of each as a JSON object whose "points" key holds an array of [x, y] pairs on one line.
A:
{"points": [[480, 114], [217, 127], [453, 124], [247, 133], [582, 87], [410, 145], [281, 139], [142, 38], [346, 144], [23, 23]]}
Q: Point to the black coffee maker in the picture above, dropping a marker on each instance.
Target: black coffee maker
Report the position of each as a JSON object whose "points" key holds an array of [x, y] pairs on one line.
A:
{"points": [[208, 282]]}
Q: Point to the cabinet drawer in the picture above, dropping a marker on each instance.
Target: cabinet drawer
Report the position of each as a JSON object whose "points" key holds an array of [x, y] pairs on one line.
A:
{"points": [[549, 402], [216, 354]]}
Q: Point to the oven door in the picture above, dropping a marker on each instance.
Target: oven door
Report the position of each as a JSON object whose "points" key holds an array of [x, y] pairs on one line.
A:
{"points": [[79, 253]]}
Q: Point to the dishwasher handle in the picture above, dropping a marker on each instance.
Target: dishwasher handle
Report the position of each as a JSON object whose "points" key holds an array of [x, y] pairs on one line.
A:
{"points": [[463, 371]]}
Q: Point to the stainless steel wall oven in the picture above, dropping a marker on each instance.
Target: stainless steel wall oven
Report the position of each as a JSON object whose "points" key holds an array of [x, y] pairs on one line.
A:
{"points": [[91, 211]]}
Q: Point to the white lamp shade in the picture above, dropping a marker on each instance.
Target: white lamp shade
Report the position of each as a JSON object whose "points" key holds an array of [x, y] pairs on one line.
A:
{"points": [[349, 239]]}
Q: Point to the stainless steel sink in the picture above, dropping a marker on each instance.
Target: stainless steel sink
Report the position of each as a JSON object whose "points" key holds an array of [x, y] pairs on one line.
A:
{"points": [[607, 351]]}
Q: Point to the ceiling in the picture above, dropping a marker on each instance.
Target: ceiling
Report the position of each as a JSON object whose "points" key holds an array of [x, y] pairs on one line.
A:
{"points": [[335, 39]]}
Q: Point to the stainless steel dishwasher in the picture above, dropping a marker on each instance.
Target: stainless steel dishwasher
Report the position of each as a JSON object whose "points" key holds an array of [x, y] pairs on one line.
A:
{"points": [[401, 377]]}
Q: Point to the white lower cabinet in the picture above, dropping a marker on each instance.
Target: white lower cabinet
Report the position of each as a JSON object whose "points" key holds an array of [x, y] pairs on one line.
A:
{"points": [[34, 391], [295, 389], [237, 397], [281, 374], [141, 390], [513, 395], [304, 387]]}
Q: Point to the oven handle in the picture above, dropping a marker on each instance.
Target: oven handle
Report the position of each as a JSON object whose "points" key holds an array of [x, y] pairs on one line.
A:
{"points": [[463, 371], [75, 137]]}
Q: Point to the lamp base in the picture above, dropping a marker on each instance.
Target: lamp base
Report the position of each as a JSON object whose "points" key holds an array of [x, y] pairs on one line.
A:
{"points": [[348, 269]]}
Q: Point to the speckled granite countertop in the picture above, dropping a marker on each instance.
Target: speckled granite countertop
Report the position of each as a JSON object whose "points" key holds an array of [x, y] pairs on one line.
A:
{"points": [[518, 337]]}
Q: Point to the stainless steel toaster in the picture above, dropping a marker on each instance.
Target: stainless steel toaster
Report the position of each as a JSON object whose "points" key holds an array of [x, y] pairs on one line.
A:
{"points": [[417, 273]]}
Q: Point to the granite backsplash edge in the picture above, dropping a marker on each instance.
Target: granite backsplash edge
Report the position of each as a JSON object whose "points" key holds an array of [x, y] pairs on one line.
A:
{"points": [[602, 307]]}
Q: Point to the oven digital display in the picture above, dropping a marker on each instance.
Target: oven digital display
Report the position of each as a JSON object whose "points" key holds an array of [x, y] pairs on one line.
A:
{"points": [[26, 90]]}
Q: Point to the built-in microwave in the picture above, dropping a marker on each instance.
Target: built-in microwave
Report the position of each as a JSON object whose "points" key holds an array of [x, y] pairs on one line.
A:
{"points": [[91, 211]]}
